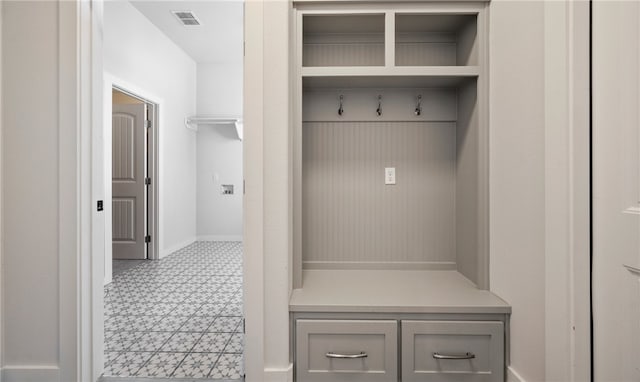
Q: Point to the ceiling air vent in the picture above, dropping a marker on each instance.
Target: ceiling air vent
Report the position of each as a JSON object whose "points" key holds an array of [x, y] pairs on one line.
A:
{"points": [[186, 18]]}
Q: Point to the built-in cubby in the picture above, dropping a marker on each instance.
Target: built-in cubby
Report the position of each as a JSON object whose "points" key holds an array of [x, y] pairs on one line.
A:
{"points": [[391, 187], [391, 89], [352, 219], [343, 40], [436, 39]]}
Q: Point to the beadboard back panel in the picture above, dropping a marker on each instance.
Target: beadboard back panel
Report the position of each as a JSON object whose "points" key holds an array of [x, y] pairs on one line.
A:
{"points": [[343, 54], [436, 40], [426, 54], [344, 40], [349, 215]]}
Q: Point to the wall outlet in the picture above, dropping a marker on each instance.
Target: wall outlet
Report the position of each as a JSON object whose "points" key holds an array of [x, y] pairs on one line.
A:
{"points": [[227, 189], [389, 175]]}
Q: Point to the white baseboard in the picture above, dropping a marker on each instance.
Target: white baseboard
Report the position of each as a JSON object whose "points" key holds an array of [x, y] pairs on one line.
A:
{"points": [[220, 238], [170, 250], [30, 373], [513, 376], [278, 375]]}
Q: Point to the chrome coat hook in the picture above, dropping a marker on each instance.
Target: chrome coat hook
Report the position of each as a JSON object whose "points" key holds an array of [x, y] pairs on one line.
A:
{"points": [[379, 109], [341, 109], [418, 110]]}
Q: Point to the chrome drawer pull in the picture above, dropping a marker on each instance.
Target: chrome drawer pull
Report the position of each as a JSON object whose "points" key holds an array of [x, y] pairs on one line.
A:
{"points": [[454, 356], [347, 356]]}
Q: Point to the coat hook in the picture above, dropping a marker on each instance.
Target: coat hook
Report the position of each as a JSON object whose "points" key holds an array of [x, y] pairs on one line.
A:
{"points": [[341, 110], [419, 106], [379, 109]]}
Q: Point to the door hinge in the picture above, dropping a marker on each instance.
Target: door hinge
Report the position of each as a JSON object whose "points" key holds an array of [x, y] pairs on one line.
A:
{"points": [[147, 123], [147, 181], [147, 239]]}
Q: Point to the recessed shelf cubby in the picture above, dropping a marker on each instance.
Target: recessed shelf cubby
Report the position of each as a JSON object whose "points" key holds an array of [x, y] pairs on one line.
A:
{"points": [[350, 218], [363, 73], [436, 40], [343, 40]]}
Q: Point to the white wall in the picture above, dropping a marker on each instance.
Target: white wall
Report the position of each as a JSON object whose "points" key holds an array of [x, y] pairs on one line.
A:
{"points": [[1, 198], [30, 168], [219, 152], [267, 171], [46, 156], [567, 263], [254, 258], [539, 184], [92, 323], [219, 161], [278, 195], [32, 338], [616, 188], [220, 86], [143, 59], [517, 176]]}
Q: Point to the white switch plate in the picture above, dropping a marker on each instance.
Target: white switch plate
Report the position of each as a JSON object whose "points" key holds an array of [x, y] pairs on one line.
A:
{"points": [[389, 175]]}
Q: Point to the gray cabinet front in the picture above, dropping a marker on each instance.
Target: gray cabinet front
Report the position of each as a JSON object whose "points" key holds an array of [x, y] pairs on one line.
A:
{"points": [[346, 350], [448, 351]]}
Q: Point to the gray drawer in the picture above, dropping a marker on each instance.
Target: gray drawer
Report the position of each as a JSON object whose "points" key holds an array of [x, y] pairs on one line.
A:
{"points": [[346, 350], [439, 351]]}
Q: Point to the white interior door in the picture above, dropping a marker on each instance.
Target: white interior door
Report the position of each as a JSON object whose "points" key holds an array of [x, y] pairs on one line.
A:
{"points": [[616, 190], [128, 181]]}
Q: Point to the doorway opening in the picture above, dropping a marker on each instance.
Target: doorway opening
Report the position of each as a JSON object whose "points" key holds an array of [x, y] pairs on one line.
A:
{"points": [[133, 160], [174, 306]]}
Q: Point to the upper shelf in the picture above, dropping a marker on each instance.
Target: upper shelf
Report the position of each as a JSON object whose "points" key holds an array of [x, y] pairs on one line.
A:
{"points": [[355, 71], [389, 39], [410, 77]]}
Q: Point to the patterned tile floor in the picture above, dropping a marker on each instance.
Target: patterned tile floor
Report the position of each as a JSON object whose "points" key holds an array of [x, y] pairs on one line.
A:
{"points": [[179, 317], [119, 266]]}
